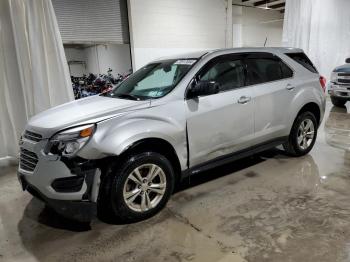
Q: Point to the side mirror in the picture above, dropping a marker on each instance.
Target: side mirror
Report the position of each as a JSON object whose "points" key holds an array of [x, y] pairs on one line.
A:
{"points": [[203, 88], [347, 60]]}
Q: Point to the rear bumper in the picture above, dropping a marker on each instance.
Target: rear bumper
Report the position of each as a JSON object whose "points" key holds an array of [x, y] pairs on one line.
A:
{"points": [[83, 211]]}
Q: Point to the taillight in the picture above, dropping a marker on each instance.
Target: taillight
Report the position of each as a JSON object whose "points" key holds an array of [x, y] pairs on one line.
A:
{"points": [[323, 82]]}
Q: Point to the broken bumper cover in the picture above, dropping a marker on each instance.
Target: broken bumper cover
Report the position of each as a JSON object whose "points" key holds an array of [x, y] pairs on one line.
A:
{"points": [[83, 211], [68, 185]]}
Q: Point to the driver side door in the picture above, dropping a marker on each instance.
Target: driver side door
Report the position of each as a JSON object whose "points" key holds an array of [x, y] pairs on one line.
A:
{"points": [[222, 123]]}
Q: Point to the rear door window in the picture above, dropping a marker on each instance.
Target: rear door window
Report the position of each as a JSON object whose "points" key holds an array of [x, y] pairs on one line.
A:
{"points": [[303, 60], [263, 68]]}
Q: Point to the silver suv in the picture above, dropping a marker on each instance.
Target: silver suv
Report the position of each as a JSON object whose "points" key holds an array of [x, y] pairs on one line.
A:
{"points": [[339, 88], [120, 154]]}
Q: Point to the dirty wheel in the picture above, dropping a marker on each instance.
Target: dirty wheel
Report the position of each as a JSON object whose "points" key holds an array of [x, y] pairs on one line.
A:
{"points": [[303, 135], [139, 187]]}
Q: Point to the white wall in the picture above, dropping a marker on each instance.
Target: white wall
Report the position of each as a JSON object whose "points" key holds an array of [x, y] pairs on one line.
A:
{"points": [[166, 27], [99, 58], [74, 54], [92, 61], [251, 26], [116, 57]]}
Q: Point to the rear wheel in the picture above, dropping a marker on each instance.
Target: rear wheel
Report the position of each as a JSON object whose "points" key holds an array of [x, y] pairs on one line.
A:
{"points": [[138, 188], [303, 135], [338, 102]]}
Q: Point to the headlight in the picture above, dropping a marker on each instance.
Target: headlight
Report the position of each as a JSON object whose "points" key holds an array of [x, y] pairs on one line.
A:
{"points": [[334, 77], [70, 141]]}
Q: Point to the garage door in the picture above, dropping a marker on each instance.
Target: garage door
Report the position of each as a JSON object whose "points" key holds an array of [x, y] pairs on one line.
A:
{"points": [[91, 21]]}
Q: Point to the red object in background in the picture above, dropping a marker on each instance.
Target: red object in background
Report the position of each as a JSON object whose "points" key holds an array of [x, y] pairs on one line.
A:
{"points": [[323, 82]]}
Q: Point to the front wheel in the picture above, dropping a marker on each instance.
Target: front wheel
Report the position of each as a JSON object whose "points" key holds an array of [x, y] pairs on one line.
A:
{"points": [[303, 135], [138, 188]]}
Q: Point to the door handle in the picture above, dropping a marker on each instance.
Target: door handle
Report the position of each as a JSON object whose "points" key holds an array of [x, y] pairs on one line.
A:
{"points": [[290, 87], [244, 99]]}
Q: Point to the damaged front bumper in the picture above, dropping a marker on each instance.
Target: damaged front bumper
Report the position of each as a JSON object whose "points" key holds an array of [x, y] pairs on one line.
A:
{"points": [[69, 186], [83, 211]]}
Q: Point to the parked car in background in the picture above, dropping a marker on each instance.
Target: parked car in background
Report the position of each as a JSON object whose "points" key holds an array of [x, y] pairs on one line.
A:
{"points": [[339, 88], [122, 152]]}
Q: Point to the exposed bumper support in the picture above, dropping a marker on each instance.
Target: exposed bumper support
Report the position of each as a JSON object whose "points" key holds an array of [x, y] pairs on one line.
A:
{"points": [[82, 211]]}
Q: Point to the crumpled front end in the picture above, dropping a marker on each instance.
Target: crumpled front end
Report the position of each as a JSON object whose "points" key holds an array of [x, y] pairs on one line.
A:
{"points": [[68, 185]]}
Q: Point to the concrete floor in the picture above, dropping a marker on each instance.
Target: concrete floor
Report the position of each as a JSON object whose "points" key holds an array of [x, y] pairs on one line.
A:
{"points": [[265, 208]]}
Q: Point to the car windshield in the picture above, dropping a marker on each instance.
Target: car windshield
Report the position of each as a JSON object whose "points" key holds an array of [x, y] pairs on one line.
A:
{"points": [[152, 81]]}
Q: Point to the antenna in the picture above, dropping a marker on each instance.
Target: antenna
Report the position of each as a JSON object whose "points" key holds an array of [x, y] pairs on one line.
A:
{"points": [[265, 42]]}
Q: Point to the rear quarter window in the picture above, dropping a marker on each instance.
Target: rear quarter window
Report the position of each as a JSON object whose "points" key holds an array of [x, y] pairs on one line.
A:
{"points": [[303, 60], [286, 71]]}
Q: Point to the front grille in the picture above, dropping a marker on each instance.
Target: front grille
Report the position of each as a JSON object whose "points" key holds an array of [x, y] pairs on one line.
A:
{"points": [[343, 74], [32, 136], [27, 160], [344, 81]]}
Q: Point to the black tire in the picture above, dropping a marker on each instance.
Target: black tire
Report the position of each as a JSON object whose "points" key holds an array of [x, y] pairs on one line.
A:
{"points": [[338, 102], [292, 147], [111, 204]]}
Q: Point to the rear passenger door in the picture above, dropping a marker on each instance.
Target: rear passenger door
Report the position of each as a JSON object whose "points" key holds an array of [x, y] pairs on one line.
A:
{"points": [[273, 92]]}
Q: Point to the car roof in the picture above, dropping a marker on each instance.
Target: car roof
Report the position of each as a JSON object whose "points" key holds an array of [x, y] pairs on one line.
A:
{"points": [[194, 55], [261, 49], [199, 54]]}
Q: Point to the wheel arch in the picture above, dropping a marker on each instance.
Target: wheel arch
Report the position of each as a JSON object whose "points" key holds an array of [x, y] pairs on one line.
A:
{"points": [[313, 108], [157, 145]]}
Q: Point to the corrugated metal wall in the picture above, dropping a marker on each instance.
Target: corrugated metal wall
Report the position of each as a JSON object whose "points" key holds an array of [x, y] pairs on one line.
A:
{"points": [[92, 21]]}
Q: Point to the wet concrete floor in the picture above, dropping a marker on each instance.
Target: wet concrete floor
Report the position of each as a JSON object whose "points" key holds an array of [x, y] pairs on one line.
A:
{"points": [[269, 207]]}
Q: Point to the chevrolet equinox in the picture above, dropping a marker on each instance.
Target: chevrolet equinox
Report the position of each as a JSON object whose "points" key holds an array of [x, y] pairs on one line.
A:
{"points": [[120, 153]]}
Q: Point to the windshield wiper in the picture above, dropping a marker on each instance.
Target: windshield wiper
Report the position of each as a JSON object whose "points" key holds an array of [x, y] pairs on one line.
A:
{"points": [[128, 96]]}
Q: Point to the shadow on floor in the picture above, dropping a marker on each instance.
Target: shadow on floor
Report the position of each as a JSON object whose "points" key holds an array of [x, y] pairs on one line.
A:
{"points": [[42, 229], [228, 169], [36, 211]]}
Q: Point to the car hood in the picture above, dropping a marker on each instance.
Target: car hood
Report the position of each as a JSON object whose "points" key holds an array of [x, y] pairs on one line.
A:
{"points": [[343, 68], [88, 110]]}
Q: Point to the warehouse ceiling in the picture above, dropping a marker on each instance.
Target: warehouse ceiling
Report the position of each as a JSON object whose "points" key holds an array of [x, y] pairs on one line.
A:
{"points": [[267, 4]]}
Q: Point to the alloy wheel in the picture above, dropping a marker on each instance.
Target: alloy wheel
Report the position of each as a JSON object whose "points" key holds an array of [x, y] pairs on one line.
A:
{"points": [[306, 134], [144, 187]]}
